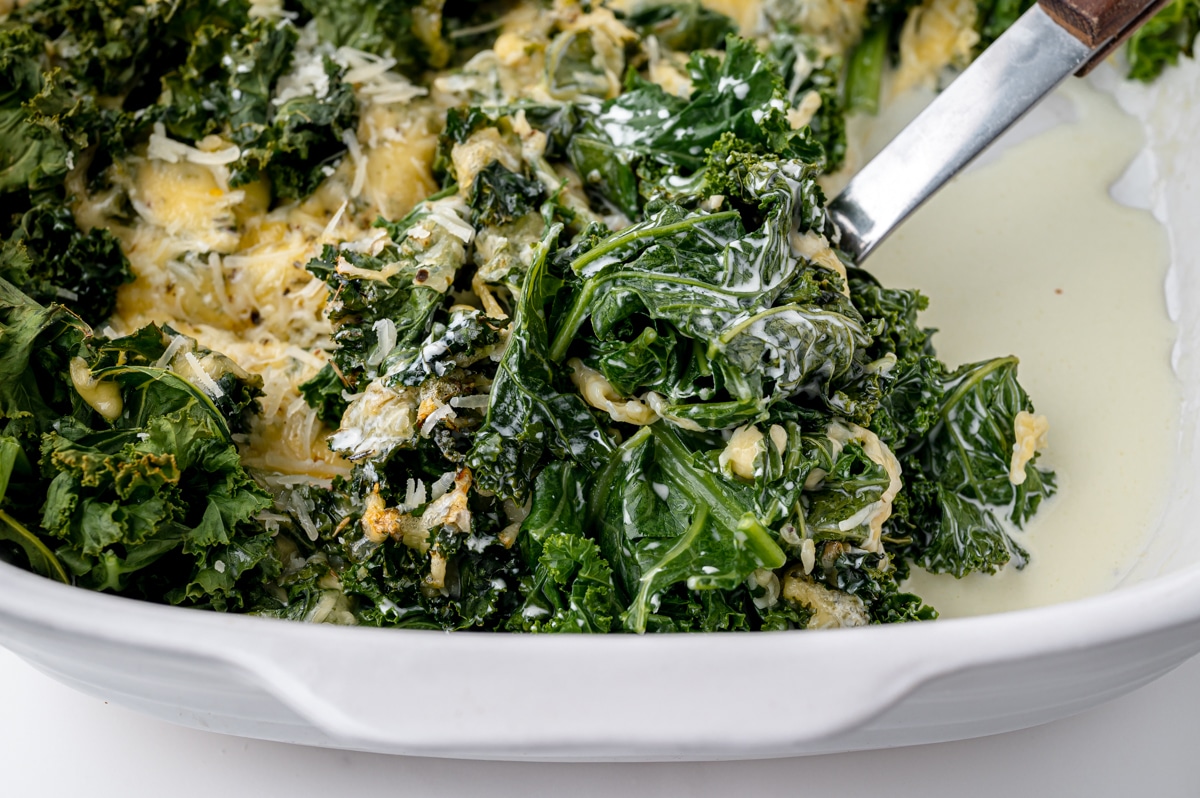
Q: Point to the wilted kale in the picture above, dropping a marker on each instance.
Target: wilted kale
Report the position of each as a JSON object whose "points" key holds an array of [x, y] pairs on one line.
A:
{"points": [[570, 588], [31, 156], [50, 259], [961, 492], [371, 293], [411, 31], [499, 196], [646, 133], [529, 416], [325, 393], [1159, 43], [144, 492], [765, 323], [663, 519], [303, 140], [681, 25]]}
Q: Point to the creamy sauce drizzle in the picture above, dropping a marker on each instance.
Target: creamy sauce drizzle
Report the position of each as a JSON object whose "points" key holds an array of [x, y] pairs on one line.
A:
{"points": [[1028, 254]]}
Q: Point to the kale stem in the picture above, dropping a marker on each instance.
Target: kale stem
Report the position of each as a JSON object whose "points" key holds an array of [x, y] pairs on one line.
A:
{"points": [[864, 73], [682, 545], [706, 489]]}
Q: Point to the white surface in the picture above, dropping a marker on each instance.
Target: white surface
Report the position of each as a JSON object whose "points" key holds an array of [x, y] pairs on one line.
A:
{"points": [[55, 742]]}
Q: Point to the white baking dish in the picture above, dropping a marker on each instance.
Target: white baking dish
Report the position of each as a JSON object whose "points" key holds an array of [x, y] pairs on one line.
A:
{"points": [[670, 697]]}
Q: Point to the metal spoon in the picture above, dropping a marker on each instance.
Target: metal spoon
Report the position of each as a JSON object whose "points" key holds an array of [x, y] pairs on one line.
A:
{"points": [[1048, 43]]}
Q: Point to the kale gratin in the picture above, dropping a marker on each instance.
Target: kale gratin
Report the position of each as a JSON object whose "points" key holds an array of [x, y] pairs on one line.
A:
{"points": [[512, 316]]}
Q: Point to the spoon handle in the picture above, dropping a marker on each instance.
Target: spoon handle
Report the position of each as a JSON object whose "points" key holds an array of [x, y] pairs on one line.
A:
{"points": [[1009, 78], [1100, 24]]}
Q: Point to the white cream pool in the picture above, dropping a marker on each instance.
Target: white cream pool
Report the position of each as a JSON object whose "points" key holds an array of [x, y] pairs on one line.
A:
{"points": [[1028, 254]]}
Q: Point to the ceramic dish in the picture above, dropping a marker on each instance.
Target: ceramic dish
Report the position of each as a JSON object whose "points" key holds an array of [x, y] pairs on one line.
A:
{"points": [[671, 697]]}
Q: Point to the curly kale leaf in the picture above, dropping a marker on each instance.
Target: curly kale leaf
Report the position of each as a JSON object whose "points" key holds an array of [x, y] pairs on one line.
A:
{"points": [[157, 498], [51, 260], [874, 579], [646, 130], [907, 376], [571, 587], [411, 31], [114, 47], [391, 585], [960, 488], [227, 78], [137, 498], [664, 519], [31, 156], [681, 25], [765, 323], [1159, 43], [469, 336], [528, 417], [500, 197], [325, 393], [571, 590]]}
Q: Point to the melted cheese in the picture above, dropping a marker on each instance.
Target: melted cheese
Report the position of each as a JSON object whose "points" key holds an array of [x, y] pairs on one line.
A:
{"points": [[600, 394], [1030, 434], [743, 448], [877, 512], [936, 34], [217, 265]]}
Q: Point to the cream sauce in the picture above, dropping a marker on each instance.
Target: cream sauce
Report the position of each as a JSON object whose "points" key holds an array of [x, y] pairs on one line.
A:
{"points": [[1028, 254]]}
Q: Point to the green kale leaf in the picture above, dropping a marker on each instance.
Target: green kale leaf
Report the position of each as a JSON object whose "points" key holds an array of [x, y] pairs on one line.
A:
{"points": [[31, 156], [1159, 43], [325, 394], [961, 487], [646, 130], [664, 519], [681, 25], [499, 196], [766, 324], [571, 587], [302, 142], [528, 418], [377, 299], [51, 260]]}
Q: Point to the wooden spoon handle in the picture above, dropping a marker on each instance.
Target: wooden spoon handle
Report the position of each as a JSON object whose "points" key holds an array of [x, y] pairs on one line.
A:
{"points": [[1103, 24]]}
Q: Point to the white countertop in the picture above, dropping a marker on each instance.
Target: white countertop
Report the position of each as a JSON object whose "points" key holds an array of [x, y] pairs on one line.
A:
{"points": [[56, 742]]}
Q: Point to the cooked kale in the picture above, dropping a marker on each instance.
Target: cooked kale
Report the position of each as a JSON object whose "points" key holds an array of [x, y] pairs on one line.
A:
{"points": [[682, 25], [1159, 43], [612, 377], [49, 258], [143, 490]]}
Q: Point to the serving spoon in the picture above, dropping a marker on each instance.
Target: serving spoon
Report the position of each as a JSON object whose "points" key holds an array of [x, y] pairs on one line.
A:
{"points": [[1049, 42]]}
